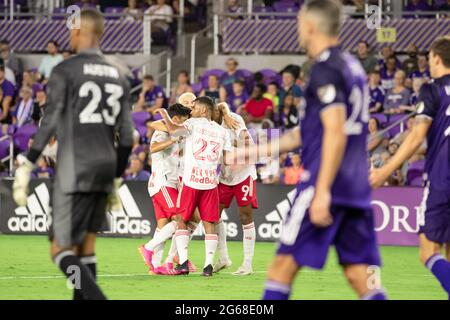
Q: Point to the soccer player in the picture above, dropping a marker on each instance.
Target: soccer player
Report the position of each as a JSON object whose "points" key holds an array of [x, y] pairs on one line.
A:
{"points": [[432, 123], [237, 182], [332, 204], [163, 187], [88, 105], [206, 143]]}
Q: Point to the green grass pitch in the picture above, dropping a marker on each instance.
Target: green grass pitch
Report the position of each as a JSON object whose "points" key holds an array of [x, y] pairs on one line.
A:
{"points": [[27, 273]]}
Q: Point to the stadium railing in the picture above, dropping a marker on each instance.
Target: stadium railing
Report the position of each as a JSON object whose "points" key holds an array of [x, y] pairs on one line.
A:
{"points": [[10, 157], [194, 50]]}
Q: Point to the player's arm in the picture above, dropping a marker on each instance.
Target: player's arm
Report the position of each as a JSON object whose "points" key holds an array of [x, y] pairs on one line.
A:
{"points": [[56, 102], [173, 128], [227, 118], [163, 145], [407, 149]]}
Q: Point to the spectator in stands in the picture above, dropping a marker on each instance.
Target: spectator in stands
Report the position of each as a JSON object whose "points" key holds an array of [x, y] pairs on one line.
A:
{"points": [[293, 172], [29, 80], [44, 169], [24, 109], [137, 148], [39, 104], [367, 60], [9, 74], [152, 97], [161, 16], [10, 60], [189, 7], [257, 109], [51, 60], [136, 171], [214, 89], [445, 7], [423, 70], [401, 136], [258, 78], [375, 145], [289, 113], [397, 98], [66, 54], [183, 86], [289, 87], [376, 92], [232, 74], [386, 53], [7, 97], [417, 5], [132, 11], [233, 6], [387, 74], [416, 86], [272, 94], [410, 64], [238, 96]]}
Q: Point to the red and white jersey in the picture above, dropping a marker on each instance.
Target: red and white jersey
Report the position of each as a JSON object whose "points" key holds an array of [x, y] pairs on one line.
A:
{"points": [[203, 152], [234, 175], [164, 165]]}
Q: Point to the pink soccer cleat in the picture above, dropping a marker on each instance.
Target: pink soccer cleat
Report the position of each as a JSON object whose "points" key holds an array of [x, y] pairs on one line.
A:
{"points": [[167, 269], [147, 256], [192, 267]]}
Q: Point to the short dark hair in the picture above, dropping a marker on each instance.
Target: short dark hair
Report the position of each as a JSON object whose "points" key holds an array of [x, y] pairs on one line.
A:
{"points": [[207, 102], [261, 87], [54, 42], [258, 76], [330, 11], [178, 109], [4, 41], [148, 77], [441, 48], [240, 82], [364, 42]]}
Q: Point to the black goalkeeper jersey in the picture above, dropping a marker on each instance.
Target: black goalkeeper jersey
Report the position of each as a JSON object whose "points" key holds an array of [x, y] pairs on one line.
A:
{"points": [[88, 107]]}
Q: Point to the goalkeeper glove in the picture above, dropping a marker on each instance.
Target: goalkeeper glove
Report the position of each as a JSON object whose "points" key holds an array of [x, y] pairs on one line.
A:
{"points": [[113, 202], [21, 180]]}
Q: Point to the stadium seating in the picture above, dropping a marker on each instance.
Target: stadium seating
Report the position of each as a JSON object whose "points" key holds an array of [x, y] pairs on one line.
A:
{"points": [[204, 77], [415, 173], [139, 119], [23, 135]]}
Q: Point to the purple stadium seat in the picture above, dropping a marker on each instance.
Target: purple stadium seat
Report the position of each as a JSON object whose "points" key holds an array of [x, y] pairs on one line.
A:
{"points": [[111, 12], [263, 9], [204, 77], [59, 13], [286, 7], [139, 118], [415, 171], [397, 129], [271, 76], [23, 135], [197, 87], [379, 116], [248, 78]]}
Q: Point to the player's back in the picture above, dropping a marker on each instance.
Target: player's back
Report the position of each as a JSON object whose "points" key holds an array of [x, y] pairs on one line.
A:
{"points": [[338, 78], [95, 93], [434, 102]]}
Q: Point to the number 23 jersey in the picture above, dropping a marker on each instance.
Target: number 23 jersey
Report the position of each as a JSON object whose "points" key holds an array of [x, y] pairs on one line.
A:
{"points": [[205, 142]]}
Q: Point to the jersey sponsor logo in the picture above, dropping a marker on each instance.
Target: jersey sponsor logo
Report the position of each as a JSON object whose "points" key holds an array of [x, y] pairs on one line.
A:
{"points": [[420, 107], [129, 220], [327, 94], [271, 229], [35, 216]]}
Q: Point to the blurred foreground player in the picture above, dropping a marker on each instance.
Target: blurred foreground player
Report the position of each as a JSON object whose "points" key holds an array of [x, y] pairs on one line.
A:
{"points": [[332, 205], [88, 105], [432, 123]]}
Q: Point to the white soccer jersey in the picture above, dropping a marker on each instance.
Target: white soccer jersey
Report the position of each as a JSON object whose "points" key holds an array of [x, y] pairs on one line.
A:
{"points": [[164, 165], [233, 175], [205, 144]]}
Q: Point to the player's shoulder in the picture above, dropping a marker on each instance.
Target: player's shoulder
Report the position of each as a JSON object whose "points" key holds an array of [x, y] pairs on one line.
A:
{"points": [[327, 67]]}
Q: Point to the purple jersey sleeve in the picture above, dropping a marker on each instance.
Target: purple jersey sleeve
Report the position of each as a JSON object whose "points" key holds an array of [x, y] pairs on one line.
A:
{"points": [[329, 86], [427, 104]]}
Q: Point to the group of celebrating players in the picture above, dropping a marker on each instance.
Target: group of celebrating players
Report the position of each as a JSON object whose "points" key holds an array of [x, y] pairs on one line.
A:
{"points": [[89, 106], [191, 182]]}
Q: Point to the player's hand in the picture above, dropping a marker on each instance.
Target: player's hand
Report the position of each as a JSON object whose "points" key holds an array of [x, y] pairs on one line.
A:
{"points": [[230, 122], [319, 211], [113, 202], [21, 180], [377, 178]]}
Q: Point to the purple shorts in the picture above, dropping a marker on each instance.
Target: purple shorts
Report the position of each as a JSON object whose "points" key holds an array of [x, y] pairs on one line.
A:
{"points": [[436, 226], [352, 233]]}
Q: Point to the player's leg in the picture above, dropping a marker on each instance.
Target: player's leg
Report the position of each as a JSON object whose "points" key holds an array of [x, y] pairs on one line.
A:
{"points": [[358, 253], [226, 195], [208, 207], [248, 239], [280, 277], [74, 216], [86, 252], [434, 232], [447, 251]]}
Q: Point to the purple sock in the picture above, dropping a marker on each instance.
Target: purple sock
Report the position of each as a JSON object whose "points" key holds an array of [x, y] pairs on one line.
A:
{"points": [[440, 268], [375, 295], [276, 291]]}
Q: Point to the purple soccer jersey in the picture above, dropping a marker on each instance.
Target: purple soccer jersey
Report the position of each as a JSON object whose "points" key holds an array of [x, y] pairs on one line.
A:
{"points": [[337, 79], [151, 96], [419, 74], [376, 96], [434, 103], [237, 101]]}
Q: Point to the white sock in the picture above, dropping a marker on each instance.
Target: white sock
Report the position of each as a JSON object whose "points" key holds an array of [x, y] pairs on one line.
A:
{"points": [[182, 239], [222, 245], [211, 241], [249, 243], [165, 233], [157, 251], [172, 251]]}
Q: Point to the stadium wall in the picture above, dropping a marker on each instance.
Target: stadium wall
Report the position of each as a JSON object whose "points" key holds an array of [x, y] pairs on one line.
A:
{"points": [[396, 213]]}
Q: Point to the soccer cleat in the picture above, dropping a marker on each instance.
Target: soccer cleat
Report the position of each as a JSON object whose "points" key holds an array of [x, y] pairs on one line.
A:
{"points": [[183, 268], [220, 264], [243, 271], [192, 267], [147, 256], [167, 269], [207, 271]]}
